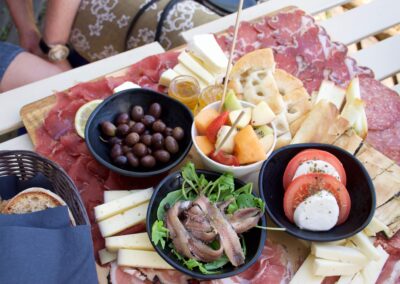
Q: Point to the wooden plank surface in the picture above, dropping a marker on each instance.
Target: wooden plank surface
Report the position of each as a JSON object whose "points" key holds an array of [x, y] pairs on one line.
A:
{"points": [[12, 101]]}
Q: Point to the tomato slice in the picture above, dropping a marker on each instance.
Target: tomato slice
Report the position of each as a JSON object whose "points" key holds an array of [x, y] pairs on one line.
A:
{"points": [[215, 125], [312, 154], [306, 185], [225, 159]]}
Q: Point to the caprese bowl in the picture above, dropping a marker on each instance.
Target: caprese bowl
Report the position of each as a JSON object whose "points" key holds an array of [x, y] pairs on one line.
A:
{"points": [[317, 192]]}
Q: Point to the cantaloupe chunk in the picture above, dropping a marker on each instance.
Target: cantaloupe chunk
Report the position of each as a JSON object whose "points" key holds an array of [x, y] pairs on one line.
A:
{"points": [[248, 148], [204, 118], [205, 145]]}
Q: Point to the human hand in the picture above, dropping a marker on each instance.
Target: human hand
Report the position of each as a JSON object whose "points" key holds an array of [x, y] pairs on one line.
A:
{"points": [[29, 40]]}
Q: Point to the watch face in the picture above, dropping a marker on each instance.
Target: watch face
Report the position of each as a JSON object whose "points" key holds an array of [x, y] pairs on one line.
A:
{"points": [[58, 52]]}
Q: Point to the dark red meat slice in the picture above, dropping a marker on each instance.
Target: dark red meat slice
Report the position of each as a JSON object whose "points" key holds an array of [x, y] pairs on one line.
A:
{"points": [[382, 104], [391, 271], [391, 246], [387, 141], [56, 126], [114, 82], [89, 91]]}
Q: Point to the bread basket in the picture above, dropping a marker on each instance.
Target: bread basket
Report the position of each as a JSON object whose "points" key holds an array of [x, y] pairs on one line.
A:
{"points": [[27, 164]]}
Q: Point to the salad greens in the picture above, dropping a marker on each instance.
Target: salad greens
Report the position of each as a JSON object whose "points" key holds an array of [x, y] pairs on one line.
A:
{"points": [[220, 190]]}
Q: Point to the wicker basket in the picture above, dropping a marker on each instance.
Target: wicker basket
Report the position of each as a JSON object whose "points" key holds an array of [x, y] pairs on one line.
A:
{"points": [[26, 164]]}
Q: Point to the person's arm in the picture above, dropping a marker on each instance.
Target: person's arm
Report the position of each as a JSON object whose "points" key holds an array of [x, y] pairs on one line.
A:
{"points": [[24, 19]]}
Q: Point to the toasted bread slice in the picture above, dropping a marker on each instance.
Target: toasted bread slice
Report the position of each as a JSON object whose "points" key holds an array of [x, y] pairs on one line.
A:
{"points": [[286, 82], [32, 200]]}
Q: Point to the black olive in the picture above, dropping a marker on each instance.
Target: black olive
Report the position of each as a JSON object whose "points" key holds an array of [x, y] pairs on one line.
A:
{"points": [[137, 113], [171, 145], [157, 141], [138, 128], [122, 130], [168, 131], [178, 133], [123, 118], [139, 150], [162, 156], [116, 151], [132, 160], [148, 120], [146, 139], [126, 149], [108, 128], [132, 138], [148, 161], [155, 110], [121, 160], [159, 126], [115, 140]]}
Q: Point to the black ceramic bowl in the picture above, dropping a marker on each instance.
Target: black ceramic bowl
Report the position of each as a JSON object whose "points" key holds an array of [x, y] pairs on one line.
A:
{"points": [[254, 238], [359, 186], [173, 114]]}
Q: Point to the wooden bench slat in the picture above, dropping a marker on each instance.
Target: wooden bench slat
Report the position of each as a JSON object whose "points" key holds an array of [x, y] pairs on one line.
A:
{"points": [[397, 88], [363, 21], [310, 6], [22, 142], [12, 101], [383, 57]]}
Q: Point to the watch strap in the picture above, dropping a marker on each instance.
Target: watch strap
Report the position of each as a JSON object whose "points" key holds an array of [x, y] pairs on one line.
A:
{"points": [[44, 47]]}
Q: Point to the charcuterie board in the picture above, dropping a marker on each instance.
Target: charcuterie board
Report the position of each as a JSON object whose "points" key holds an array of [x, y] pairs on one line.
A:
{"points": [[384, 172]]}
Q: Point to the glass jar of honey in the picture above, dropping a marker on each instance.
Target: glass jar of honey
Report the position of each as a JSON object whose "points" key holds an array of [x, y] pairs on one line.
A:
{"points": [[185, 89], [209, 95]]}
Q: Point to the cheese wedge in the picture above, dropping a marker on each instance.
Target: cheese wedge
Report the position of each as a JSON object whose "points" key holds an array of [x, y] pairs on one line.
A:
{"points": [[141, 259], [119, 205], [110, 195], [373, 269], [324, 267], [138, 241], [167, 76], [193, 65], [305, 275], [126, 86], [105, 256], [182, 70], [207, 49], [365, 245], [330, 92], [339, 253], [120, 222]]}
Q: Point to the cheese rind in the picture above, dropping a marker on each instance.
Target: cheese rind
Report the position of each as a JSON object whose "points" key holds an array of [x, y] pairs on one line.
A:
{"points": [[105, 256], [324, 267], [141, 259], [189, 62], [119, 205], [126, 219], [339, 253], [138, 241], [305, 275], [365, 245], [167, 76]]}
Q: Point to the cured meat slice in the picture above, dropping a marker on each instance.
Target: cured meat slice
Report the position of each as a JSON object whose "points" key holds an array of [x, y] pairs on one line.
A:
{"points": [[391, 271], [382, 104], [56, 126], [121, 275], [271, 267], [89, 91], [387, 141], [391, 246]]}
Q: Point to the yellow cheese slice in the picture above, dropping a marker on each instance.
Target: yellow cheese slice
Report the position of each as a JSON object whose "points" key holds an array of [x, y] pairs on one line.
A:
{"points": [[105, 256], [305, 275], [138, 241], [324, 267], [339, 253], [189, 62], [141, 259]]}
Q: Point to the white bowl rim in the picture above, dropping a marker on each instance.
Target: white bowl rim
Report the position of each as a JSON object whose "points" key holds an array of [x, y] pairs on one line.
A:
{"points": [[225, 167]]}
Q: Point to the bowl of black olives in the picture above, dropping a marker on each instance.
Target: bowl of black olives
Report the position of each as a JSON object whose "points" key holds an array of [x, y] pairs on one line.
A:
{"points": [[139, 133]]}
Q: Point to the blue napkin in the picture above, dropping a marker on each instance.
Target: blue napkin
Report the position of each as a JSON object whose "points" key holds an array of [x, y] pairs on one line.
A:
{"points": [[43, 247]]}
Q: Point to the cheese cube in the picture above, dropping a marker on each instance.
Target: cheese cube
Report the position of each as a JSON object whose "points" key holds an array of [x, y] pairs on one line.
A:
{"points": [[305, 275], [194, 66], [138, 241], [119, 205], [167, 76], [126, 86], [105, 256], [324, 267], [365, 245], [207, 49], [141, 259], [110, 195], [339, 253], [330, 92], [120, 222], [373, 269], [182, 70]]}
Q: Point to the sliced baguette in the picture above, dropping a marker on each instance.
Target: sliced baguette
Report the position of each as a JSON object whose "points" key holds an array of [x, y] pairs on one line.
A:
{"points": [[32, 200]]}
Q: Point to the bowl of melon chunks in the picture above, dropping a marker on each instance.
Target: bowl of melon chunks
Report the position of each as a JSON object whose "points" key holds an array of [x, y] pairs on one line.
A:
{"points": [[236, 139]]}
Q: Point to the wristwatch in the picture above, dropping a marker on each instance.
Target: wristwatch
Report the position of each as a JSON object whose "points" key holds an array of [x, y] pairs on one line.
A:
{"points": [[55, 52]]}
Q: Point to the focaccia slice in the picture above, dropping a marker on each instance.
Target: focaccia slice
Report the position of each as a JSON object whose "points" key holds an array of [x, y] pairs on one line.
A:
{"points": [[297, 103]]}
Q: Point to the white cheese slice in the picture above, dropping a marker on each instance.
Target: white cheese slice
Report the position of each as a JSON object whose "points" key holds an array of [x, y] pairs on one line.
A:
{"points": [[182, 70], [335, 243], [119, 205], [167, 76], [348, 279], [207, 49], [373, 269], [141, 259], [138, 241], [120, 222], [305, 275], [318, 212], [110, 195], [330, 92], [194, 66], [339, 253], [365, 245], [126, 86], [376, 226], [316, 166], [324, 267], [105, 256]]}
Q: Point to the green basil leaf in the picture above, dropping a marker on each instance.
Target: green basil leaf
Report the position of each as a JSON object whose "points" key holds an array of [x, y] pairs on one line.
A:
{"points": [[220, 262], [159, 233]]}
